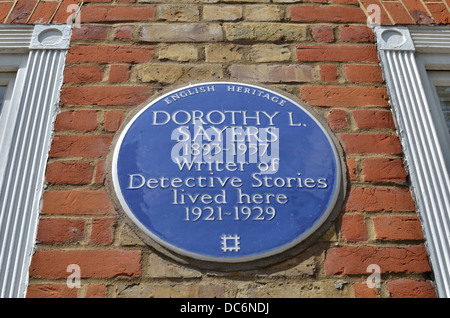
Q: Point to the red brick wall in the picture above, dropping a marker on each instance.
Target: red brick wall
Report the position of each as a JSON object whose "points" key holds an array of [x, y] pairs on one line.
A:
{"points": [[320, 51]]}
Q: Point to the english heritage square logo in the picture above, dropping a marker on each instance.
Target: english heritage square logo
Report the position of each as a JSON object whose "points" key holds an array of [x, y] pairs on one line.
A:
{"points": [[226, 172]]}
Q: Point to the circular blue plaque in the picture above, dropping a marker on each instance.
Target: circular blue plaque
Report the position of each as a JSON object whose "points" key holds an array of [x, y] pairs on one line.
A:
{"points": [[226, 172]]}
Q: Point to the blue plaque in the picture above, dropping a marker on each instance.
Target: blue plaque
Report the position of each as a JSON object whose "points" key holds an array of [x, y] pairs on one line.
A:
{"points": [[226, 172]]}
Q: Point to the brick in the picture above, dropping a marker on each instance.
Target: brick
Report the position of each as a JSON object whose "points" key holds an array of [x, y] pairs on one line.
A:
{"points": [[4, 10], [93, 263], [267, 32], [76, 120], [58, 230], [113, 120], [109, 54], [222, 12], [322, 33], [337, 53], [90, 32], [273, 73], [356, 33], [383, 170], [117, 13], [351, 260], [119, 73], [263, 13], [370, 143], [180, 13], [408, 288], [181, 32], [398, 13], [355, 73], [339, 96], [361, 290], [178, 52], [175, 72], [51, 291], [69, 172], [352, 168], [220, 52], [105, 95], [43, 12], [373, 119], [353, 228], [124, 32], [328, 73], [100, 173], [397, 227], [380, 13], [102, 232], [21, 11], [418, 12], [77, 202], [81, 146], [337, 119], [66, 11], [96, 291], [269, 53], [379, 199], [83, 74], [439, 12], [331, 14]]}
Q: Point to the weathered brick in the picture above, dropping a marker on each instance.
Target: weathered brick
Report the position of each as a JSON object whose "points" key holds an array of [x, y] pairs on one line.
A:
{"points": [[328, 73], [175, 72], [322, 33], [263, 13], [83, 74], [373, 119], [93, 263], [355, 260], [408, 288], [43, 12], [269, 53], [96, 291], [51, 291], [181, 32], [222, 12], [77, 202], [337, 119], [81, 146], [76, 120], [66, 12], [267, 32], [329, 14], [105, 95], [379, 199], [21, 11], [90, 32], [109, 54], [397, 227], [117, 13], [119, 73], [353, 228], [361, 290], [102, 232], [383, 170], [220, 52], [113, 120], [58, 230], [371, 143], [337, 53], [356, 33], [178, 52], [124, 32], [69, 172], [272, 73], [177, 13], [363, 73], [352, 168], [345, 96]]}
